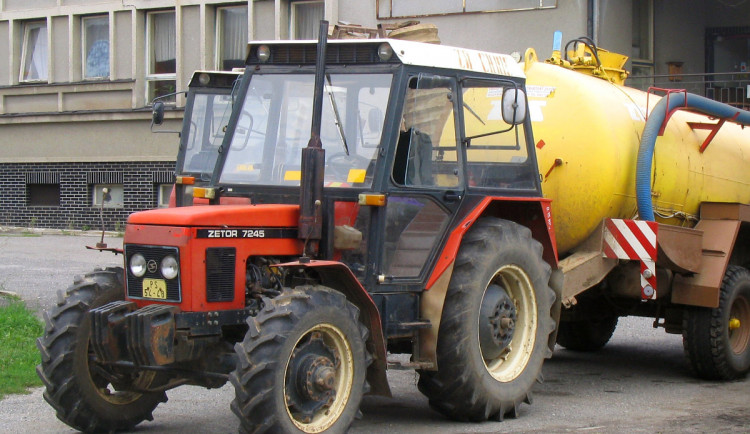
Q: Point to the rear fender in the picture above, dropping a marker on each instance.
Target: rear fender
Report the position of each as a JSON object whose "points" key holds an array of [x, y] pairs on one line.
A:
{"points": [[338, 276], [533, 213]]}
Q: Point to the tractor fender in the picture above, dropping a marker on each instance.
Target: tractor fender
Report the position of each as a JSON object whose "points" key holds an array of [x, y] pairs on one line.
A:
{"points": [[534, 213], [339, 277]]}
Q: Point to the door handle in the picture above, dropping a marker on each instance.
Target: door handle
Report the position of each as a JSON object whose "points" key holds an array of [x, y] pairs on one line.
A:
{"points": [[452, 196]]}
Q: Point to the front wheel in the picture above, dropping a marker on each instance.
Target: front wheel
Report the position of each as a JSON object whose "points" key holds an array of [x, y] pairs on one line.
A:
{"points": [[301, 367], [495, 325], [717, 341], [88, 396]]}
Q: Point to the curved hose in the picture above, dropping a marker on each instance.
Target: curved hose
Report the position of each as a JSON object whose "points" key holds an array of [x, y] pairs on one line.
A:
{"points": [[651, 131]]}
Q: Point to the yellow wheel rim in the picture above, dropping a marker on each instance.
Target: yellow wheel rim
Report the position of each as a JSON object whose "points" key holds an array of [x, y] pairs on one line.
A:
{"points": [[340, 369], [512, 362]]}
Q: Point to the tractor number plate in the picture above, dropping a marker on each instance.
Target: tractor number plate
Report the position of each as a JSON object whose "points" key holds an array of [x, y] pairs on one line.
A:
{"points": [[155, 288]]}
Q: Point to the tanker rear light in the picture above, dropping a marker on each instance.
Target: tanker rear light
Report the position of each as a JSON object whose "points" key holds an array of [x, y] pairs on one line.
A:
{"points": [[372, 199], [184, 180], [204, 193]]}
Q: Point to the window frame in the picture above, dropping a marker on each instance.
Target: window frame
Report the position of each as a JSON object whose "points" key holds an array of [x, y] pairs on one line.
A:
{"points": [[151, 77], [645, 63], [293, 5], [163, 194], [28, 26], [84, 50], [219, 40]]}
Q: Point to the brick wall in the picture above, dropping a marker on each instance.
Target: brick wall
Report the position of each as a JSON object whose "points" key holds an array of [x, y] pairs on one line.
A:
{"points": [[140, 182]]}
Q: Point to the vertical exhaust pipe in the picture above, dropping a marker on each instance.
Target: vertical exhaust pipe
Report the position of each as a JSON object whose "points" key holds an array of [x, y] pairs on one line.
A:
{"points": [[313, 161]]}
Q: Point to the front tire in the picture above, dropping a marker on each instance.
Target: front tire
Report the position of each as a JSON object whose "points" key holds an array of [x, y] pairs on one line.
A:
{"points": [[495, 325], [717, 341], [76, 388], [301, 367]]}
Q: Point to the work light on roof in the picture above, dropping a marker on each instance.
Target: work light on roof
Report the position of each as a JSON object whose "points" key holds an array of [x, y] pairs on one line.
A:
{"points": [[264, 53], [385, 52]]}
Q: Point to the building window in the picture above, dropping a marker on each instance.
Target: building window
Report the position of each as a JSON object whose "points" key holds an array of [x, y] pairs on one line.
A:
{"points": [[43, 194], [95, 40], [113, 198], [164, 192], [305, 19], [161, 55], [231, 38], [34, 58], [642, 53]]}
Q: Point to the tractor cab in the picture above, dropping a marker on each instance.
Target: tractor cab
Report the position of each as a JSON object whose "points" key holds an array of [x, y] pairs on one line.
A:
{"points": [[410, 132], [207, 111]]}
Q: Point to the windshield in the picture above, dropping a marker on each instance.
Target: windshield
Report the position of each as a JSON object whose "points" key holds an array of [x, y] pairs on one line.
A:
{"points": [[275, 123], [208, 118]]}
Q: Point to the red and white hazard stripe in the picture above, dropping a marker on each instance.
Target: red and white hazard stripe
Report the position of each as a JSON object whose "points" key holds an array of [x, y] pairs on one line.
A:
{"points": [[634, 240]]}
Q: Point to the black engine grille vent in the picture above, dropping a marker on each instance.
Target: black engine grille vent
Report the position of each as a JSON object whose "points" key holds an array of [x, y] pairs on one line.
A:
{"points": [[220, 263]]}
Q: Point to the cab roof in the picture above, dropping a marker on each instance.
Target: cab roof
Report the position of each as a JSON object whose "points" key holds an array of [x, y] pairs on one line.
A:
{"points": [[421, 54]]}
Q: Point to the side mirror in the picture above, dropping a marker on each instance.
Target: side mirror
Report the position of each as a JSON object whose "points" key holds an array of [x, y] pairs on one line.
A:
{"points": [[157, 116], [514, 106]]}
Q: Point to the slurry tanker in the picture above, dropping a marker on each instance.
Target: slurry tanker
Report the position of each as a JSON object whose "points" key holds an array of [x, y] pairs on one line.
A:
{"points": [[377, 197]]}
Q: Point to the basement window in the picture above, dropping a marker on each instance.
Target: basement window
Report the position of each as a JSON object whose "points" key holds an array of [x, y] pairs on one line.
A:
{"points": [[43, 194], [112, 199]]}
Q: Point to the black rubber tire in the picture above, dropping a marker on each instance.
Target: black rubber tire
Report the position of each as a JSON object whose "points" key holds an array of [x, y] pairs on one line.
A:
{"points": [[586, 335], [463, 388], [267, 349], [64, 347], [715, 352]]}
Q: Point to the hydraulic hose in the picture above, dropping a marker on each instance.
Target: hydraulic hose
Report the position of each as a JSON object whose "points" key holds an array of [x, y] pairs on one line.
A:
{"points": [[655, 120]]}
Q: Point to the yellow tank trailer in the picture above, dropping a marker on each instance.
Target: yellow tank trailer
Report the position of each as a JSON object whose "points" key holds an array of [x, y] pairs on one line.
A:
{"points": [[637, 178]]}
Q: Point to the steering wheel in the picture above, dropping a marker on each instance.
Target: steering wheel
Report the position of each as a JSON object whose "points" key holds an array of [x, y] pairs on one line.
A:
{"points": [[340, 164]]}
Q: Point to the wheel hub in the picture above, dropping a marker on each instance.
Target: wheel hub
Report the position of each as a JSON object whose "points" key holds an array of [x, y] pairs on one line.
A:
{"points": [[311, 378], [497, 322]]}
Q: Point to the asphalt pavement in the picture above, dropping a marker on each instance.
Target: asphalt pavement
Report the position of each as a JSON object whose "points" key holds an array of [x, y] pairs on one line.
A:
{"points": [[638, 383]]}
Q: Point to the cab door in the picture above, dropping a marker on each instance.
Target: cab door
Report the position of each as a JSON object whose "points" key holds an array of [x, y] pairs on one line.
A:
{"points": [[426, 184]]}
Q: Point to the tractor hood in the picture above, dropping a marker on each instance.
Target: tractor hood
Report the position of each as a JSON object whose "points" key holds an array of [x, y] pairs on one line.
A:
{"points": [[220, 215]]}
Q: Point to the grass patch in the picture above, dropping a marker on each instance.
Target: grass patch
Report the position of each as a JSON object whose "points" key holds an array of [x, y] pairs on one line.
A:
{"points": [[19, 329]]}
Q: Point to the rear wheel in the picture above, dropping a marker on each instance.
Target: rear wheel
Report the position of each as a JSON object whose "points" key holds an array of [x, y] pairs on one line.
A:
{"points": [[495, 326], [302, 364], [717, 341], [587, 334], [86, 395]]}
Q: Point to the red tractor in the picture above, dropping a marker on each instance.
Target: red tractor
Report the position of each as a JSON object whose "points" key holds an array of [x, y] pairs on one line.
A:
{"points": [[293, 277]]}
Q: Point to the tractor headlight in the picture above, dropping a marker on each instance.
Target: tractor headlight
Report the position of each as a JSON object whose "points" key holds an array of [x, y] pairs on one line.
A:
{"points": [[138, 265], [169, 267]]}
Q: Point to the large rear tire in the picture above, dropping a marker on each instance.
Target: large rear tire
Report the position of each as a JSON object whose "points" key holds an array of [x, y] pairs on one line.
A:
{"points": [[301, 367], [495, 325], [76, 387], [717, 341]]}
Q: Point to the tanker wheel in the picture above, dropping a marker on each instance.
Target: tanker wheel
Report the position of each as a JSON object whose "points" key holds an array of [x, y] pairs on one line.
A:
{"points": [[589, 334], [717, 341], [82, 391], [495, 326], [302, 364]]}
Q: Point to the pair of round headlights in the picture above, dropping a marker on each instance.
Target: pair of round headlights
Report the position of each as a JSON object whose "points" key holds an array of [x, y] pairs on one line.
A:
{"points": [[169, 266]]}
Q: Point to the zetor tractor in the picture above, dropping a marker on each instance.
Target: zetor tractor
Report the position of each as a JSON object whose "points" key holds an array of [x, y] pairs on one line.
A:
{"points": [[407, 222]]}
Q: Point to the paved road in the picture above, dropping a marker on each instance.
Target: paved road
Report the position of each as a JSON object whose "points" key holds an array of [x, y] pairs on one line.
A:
{"points": [[638, 383]]}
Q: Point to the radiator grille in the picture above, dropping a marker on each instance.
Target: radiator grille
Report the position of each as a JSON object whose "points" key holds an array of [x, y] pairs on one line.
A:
{"points": [[135, 284], [220, 263]]}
